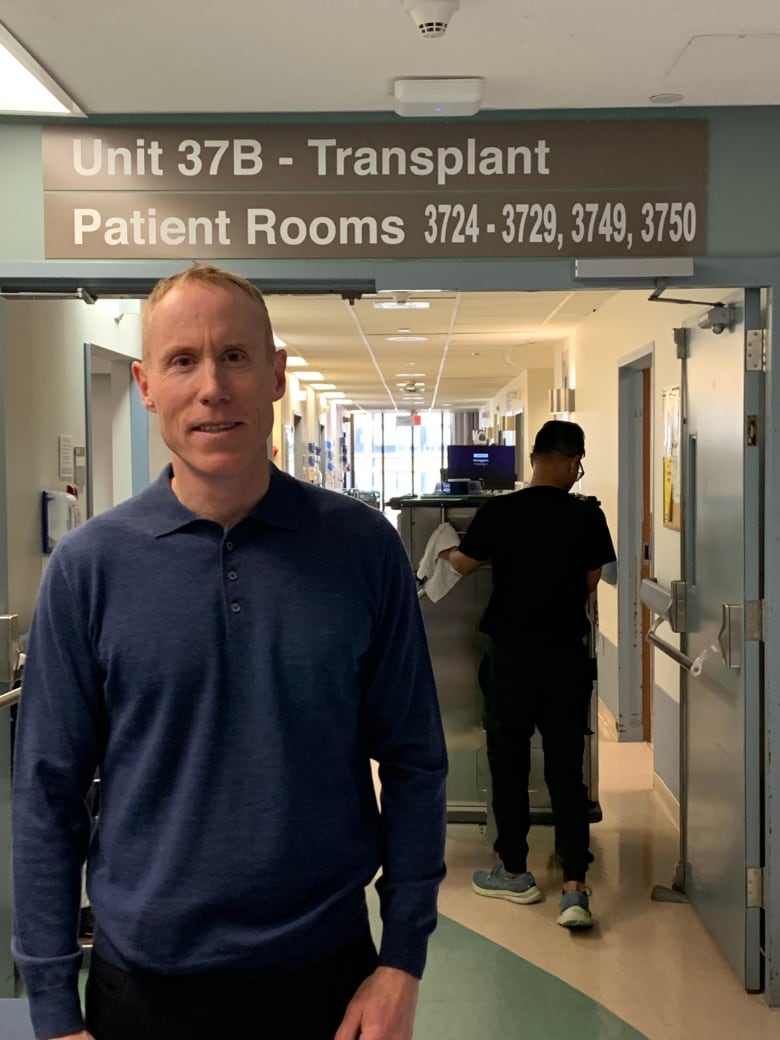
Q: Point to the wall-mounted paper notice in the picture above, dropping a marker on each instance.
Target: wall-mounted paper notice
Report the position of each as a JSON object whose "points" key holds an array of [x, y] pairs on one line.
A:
{"points": [[66, 457]]}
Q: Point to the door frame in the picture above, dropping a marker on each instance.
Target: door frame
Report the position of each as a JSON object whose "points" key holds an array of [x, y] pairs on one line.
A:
{"points": [[754, 478], [482, 275], [630, 511], [139, 424]]}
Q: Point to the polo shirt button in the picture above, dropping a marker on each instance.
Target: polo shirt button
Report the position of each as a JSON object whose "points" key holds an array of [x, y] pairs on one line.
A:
{"points": [[232, 575], [235, 607], [228, 545]]}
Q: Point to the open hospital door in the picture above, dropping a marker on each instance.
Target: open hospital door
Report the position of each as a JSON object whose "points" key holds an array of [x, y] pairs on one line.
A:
{"points": [[718, 613]]}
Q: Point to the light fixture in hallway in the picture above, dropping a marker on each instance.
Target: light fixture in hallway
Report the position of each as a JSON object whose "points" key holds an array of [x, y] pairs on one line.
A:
{"points": [[26, 87]]}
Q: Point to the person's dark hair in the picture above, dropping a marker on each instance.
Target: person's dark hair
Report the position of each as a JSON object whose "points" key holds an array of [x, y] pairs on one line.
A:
{"points": [[558, 437]]}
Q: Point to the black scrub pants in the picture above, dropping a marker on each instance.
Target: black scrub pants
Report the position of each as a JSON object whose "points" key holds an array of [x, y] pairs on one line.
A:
{"points": [[549, 689], [305, 1004]]}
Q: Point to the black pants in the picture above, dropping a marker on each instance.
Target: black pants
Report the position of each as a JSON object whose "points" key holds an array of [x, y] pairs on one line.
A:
{"points": [[549, 690], [306, 1004]]}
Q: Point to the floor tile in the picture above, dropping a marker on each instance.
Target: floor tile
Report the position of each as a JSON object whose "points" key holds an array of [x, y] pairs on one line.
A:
{"points": [[652, 964]]}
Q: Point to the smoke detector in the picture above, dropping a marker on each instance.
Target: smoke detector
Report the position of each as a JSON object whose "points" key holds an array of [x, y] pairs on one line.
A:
{"points": [[432, 16]]}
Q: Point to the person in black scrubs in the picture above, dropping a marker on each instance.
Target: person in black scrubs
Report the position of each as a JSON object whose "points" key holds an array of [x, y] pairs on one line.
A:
{"points": [[547, 548]]}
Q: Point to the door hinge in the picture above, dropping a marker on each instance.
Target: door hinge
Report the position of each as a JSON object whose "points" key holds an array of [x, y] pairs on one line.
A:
{"points": [[755, 350], [755, 622], [754, 887]]}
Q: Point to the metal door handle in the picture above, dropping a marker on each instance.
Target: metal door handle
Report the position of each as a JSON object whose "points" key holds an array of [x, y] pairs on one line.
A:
{"points": [[671, 651], [730, 635], [7, 700]]}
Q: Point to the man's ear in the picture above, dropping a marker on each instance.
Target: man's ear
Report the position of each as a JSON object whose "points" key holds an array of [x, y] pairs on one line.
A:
{"points": [[139, 375], [280, 364]]}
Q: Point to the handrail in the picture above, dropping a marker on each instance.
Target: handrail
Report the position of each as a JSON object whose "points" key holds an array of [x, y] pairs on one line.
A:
{"points": [[7, 700]]}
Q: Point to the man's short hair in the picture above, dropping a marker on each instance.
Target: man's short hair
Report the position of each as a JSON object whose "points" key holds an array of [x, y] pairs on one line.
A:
{"points": [[558, 437], [213, 277]]}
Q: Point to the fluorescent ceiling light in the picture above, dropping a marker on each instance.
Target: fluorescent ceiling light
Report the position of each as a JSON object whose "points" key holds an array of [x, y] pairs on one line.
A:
{"points": [[294, 360], [317, 376], [323, 386], [402, 305], [278, 342], [334, 393], [25, 86], [406, 339], [410, 375]]}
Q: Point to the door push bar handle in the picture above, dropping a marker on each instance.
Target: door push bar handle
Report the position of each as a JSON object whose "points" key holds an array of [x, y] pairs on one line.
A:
{"points": [[730, 635], [671, 651], [7, 700], [729, 642]]}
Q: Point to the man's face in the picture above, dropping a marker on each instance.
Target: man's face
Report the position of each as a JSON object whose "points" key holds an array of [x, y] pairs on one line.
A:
{"points": [[209, 376], [574, 470]]}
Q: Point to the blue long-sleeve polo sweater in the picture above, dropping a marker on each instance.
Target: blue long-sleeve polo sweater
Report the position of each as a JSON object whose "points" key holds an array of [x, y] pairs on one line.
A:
{"points": [[231, 688]]}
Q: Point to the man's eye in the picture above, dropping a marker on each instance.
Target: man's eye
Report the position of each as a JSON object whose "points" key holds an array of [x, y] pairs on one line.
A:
{"points": [[181, 361], [235, 355]]}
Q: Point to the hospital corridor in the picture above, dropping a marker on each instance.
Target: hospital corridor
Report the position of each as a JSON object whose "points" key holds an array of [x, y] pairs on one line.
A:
{"points": [[389, 386]]}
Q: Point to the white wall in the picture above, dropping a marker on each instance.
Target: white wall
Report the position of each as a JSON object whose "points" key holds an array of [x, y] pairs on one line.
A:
{"points": [[526, 393], [43, 344]]}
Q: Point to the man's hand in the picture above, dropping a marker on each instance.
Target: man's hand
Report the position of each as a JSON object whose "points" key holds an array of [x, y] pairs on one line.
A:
{"points": [[459, 562], [383, 1008]]}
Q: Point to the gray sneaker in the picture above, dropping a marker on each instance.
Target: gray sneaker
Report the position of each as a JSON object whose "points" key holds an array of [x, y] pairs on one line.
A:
{"points": [[575, 910], [497, 884]]}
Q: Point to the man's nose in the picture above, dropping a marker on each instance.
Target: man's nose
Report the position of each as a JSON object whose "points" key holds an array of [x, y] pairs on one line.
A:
{"points": [[213, 382]]}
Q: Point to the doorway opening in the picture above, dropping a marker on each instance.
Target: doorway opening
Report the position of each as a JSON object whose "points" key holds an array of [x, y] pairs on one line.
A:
{"points": [[632, 718], [117, 446]]}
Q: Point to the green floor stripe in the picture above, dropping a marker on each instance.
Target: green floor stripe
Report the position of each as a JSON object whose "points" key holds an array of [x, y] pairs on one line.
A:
{"points": [[474, 989]]}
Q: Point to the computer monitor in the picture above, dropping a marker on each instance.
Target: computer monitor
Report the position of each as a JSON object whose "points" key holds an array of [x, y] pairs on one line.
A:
{"points": [[492, 464]]}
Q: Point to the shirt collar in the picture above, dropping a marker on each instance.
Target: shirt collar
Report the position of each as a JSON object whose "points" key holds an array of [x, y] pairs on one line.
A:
{"points": [[162, 513]]}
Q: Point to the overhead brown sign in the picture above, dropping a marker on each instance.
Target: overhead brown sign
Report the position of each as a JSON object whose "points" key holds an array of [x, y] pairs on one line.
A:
{"points": [[607, 188]]}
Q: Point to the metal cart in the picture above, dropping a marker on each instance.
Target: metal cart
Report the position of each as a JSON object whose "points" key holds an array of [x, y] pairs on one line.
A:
{"points": [[456, 646]]}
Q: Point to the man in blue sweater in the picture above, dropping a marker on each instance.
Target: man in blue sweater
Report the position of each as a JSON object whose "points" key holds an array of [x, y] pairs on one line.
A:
{"points": [[229, 649]]}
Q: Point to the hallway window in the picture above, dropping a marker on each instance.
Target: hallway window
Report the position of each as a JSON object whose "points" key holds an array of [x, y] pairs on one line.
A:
{"points": [[399, 453]]}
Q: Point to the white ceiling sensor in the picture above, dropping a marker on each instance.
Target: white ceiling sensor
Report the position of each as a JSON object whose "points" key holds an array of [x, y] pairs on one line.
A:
{"points": [[437, 96], [432, 16]]}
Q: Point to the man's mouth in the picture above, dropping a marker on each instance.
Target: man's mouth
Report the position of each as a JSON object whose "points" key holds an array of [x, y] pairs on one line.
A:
{"points": [[216, 427]]}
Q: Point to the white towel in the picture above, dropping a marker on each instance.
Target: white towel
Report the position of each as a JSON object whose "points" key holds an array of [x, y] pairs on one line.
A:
{"points": [[439, 575]]}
